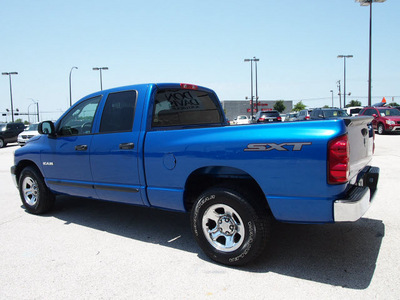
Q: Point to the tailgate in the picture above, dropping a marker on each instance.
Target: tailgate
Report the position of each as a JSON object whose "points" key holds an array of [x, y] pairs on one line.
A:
{"points": [[361, 141]]}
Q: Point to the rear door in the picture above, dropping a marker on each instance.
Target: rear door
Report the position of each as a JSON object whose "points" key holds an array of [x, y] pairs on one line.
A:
{"points": [[114, 151]]}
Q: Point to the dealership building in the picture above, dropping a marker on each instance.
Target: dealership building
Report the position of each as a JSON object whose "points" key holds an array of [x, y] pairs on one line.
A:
{"points": [[234, 108]]}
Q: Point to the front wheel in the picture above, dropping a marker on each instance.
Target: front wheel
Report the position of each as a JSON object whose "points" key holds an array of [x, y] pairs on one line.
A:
{"points": [[2, 143], [35, 195], [230, 226], [381, 129]]}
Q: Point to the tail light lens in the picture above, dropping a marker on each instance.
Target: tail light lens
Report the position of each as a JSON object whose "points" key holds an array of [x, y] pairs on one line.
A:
{"points": [[307, 117], [338, 160], [261, 119], [279, 119]]}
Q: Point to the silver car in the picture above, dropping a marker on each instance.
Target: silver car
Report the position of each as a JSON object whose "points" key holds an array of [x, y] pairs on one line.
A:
{"points": [[29, 132]]}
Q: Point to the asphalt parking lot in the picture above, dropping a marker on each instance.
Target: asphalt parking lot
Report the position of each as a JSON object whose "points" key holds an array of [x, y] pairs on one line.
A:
{"points": [[88, 249]]}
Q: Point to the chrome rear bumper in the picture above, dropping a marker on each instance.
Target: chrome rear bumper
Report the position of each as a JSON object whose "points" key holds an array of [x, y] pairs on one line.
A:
{"points": [[359, 198]]}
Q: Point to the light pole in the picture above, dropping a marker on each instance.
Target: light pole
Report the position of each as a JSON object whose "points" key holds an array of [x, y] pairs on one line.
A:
{"points": [[332, 97], [37, 108], [366, 3], [70, 92], [101, 78], [255, 62], [12, 107], [344, 81], [251, 79], [339, 94]]}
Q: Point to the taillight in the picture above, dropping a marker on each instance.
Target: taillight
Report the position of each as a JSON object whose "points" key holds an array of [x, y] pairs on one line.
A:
{"points": [[338, 160], [261, 119], [307, 117], [189, 86], [279, 119]]}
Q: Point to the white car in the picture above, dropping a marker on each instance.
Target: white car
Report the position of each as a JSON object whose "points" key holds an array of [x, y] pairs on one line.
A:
{"points": [[29, 132], [353, 111], [240, 120]]}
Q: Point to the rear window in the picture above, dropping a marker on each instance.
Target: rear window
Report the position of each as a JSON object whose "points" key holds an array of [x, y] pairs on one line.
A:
{"points": [[354, 111], [335, 113], [177, 107], [269, 114]]}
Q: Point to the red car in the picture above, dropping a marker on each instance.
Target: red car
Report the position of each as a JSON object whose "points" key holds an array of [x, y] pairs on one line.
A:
{"points": [[386, 119]]}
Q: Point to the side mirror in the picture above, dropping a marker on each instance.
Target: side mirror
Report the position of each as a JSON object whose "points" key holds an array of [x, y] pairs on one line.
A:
{"points": [[374, 115], [47, 127]]}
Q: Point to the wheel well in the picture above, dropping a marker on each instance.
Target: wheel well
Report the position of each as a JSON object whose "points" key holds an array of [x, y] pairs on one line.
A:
{"points": [[22, 165], [207, 177]]}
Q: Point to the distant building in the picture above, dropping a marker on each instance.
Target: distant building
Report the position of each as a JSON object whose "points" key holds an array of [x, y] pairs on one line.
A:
{"points": [[234, 108]]}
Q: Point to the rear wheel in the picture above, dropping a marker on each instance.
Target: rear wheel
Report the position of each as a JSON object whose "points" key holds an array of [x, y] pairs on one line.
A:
{"points": [[381, 129], [2, 143], [34, 193], [230, 226]]}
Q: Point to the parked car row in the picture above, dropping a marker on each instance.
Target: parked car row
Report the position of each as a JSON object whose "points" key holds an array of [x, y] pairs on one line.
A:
{"points": [[386, 118]]}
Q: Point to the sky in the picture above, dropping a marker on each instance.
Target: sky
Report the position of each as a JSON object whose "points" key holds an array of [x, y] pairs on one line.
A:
{"points": [[199, 42]]}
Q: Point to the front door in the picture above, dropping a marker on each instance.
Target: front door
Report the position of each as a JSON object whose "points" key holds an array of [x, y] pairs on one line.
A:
{"points": [[65, 160]]}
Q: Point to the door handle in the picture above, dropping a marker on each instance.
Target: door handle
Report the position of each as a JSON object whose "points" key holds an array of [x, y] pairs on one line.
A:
{"points": [[81, 147], [126, 146]]}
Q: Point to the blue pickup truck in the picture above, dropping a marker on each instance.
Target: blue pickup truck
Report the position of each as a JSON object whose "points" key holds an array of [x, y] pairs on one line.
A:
{"points": [[169, 146]]}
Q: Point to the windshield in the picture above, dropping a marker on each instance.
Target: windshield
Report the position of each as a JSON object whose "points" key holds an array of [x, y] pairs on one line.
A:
{"points": [[389, 112], [335, 113], [32, 127]]}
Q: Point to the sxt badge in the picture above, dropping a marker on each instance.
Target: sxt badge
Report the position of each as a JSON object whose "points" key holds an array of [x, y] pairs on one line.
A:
{"points": [[278, 147]]}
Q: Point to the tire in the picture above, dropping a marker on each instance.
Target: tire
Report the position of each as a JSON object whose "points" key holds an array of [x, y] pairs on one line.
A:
{"points": [[2, 143], [230, 228], [381, 129], [35, 195]]}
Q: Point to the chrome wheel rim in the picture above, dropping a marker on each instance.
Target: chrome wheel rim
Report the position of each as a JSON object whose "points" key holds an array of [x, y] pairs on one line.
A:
{"points": [[30, 191], [223, 228]]}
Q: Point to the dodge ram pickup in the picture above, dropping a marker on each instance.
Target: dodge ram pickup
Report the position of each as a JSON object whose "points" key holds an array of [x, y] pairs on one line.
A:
{"points": [[169, 146]]}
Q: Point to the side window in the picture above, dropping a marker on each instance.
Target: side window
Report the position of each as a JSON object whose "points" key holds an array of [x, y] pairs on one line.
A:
{"points": [[370, 112], [179, 107], [80, 119], [119, 112]]}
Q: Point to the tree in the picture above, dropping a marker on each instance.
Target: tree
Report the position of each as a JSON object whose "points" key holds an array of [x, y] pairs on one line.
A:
{"points": [[354, 103], [18, 121], [326, 106], [279, 106], [299, 106], [393, 104]]}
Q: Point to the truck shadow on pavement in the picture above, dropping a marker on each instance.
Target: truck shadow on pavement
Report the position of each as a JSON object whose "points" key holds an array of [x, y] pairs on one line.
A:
{"points": [[343, 254]]}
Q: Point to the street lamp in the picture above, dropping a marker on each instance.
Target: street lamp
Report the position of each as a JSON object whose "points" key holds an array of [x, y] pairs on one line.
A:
{"points": [[37, 108], [366, 3], [70, 93], [255, 63], [251, 78], [101, 78], [12, 107], [344, 81], [332, 97]]}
